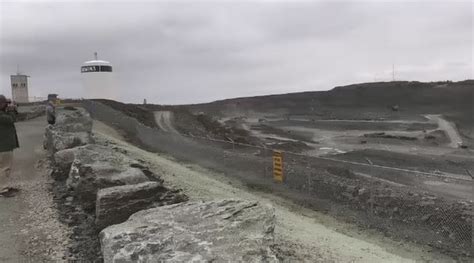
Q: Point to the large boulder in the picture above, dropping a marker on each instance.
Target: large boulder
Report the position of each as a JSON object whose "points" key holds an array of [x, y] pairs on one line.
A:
{"points": [[220, 231], [73, 120], [115, 204], [57, 141], [63, 159], [85, 179], [90, 153], [96, 167]]}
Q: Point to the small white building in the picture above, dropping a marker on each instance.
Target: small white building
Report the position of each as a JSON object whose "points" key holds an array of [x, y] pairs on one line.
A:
{"points": [[19, 84], [98, 79]]}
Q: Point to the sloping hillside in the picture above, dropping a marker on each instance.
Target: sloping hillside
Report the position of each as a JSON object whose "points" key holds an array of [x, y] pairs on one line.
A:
{"points": [[412, 97], [366, 101]]}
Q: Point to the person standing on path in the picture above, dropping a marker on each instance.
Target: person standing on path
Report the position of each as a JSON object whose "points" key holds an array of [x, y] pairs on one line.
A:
{"points": [[8, 142], [51, 113]]}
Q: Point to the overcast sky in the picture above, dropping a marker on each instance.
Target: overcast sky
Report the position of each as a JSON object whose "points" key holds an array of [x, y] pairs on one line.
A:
{"points": [[188, 52]]}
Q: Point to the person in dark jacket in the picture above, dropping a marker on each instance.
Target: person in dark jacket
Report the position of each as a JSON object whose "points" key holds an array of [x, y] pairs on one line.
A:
{"points": [[8, 141], [51, 113]]}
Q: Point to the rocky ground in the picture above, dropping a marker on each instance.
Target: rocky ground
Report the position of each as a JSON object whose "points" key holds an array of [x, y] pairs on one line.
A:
{"points": [[96, 184], [183, 122], [95, 176], [332, 185], [300, 234]]}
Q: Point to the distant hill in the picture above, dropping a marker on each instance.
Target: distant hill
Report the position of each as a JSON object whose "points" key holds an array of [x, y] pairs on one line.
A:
{"points": [[365, 101], [361, 101], [410, 96]]}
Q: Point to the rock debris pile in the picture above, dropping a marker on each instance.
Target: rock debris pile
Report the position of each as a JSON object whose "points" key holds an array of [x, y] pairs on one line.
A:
{"points": [[101, 189]]}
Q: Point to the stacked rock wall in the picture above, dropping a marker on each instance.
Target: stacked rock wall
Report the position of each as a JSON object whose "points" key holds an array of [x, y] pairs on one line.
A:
{"points": [[110, 187], [73, 128], [90, 169]]}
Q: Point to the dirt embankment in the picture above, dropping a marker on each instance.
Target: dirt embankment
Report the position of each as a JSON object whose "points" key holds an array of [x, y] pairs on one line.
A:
{"points": [[177, 119], [465, 126], [403, 212], [141, 114], [300, 234], [315, 182]]}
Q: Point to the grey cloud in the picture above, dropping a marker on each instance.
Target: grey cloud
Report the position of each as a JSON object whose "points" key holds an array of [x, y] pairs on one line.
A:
{"points": [[194, 52]]}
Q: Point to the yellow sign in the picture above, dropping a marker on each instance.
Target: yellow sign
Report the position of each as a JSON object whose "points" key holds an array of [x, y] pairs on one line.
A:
{"points": [[278, 166]]}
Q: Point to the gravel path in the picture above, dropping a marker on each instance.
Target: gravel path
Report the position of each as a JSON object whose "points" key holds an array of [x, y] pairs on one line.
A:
{"points": [[29, 229], [301, 234]]}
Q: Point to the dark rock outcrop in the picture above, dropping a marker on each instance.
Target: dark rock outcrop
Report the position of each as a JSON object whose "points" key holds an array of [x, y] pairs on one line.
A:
{"points": [[115, 204]]}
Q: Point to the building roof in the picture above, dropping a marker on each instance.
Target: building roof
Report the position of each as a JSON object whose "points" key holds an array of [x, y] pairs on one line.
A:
{"points": [[96, 62], [19, 75]]}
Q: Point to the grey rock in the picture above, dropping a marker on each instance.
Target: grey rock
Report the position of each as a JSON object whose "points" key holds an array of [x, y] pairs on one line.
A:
{"points": [[72, 129], [68, 140], [88, 154], [219, 231], [85, 179], [64, 158], [77, 120], [115, 204]]}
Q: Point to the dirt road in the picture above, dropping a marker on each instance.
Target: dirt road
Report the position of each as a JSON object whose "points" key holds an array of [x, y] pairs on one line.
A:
{"points": [[449, 129], [301, 234], [164, 119], [29, 229]]}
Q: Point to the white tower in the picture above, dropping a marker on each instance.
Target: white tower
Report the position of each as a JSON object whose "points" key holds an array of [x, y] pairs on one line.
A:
{"points": [[19, 84], [98, 79]]}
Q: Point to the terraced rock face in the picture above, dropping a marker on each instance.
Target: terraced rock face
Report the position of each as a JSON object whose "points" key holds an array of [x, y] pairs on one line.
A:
{"points": [[221, 231]]}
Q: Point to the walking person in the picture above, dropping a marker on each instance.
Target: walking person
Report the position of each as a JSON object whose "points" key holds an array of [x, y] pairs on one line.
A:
{"points": [[51, 112], [8, 142]]}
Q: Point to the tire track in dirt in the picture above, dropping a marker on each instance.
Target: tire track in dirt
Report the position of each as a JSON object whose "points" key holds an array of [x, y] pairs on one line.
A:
{"points": [[164, 120]]}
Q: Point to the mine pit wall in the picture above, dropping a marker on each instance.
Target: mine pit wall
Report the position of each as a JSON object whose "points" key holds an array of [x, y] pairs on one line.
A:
{"points": [[96, 185], [400, 212]]}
